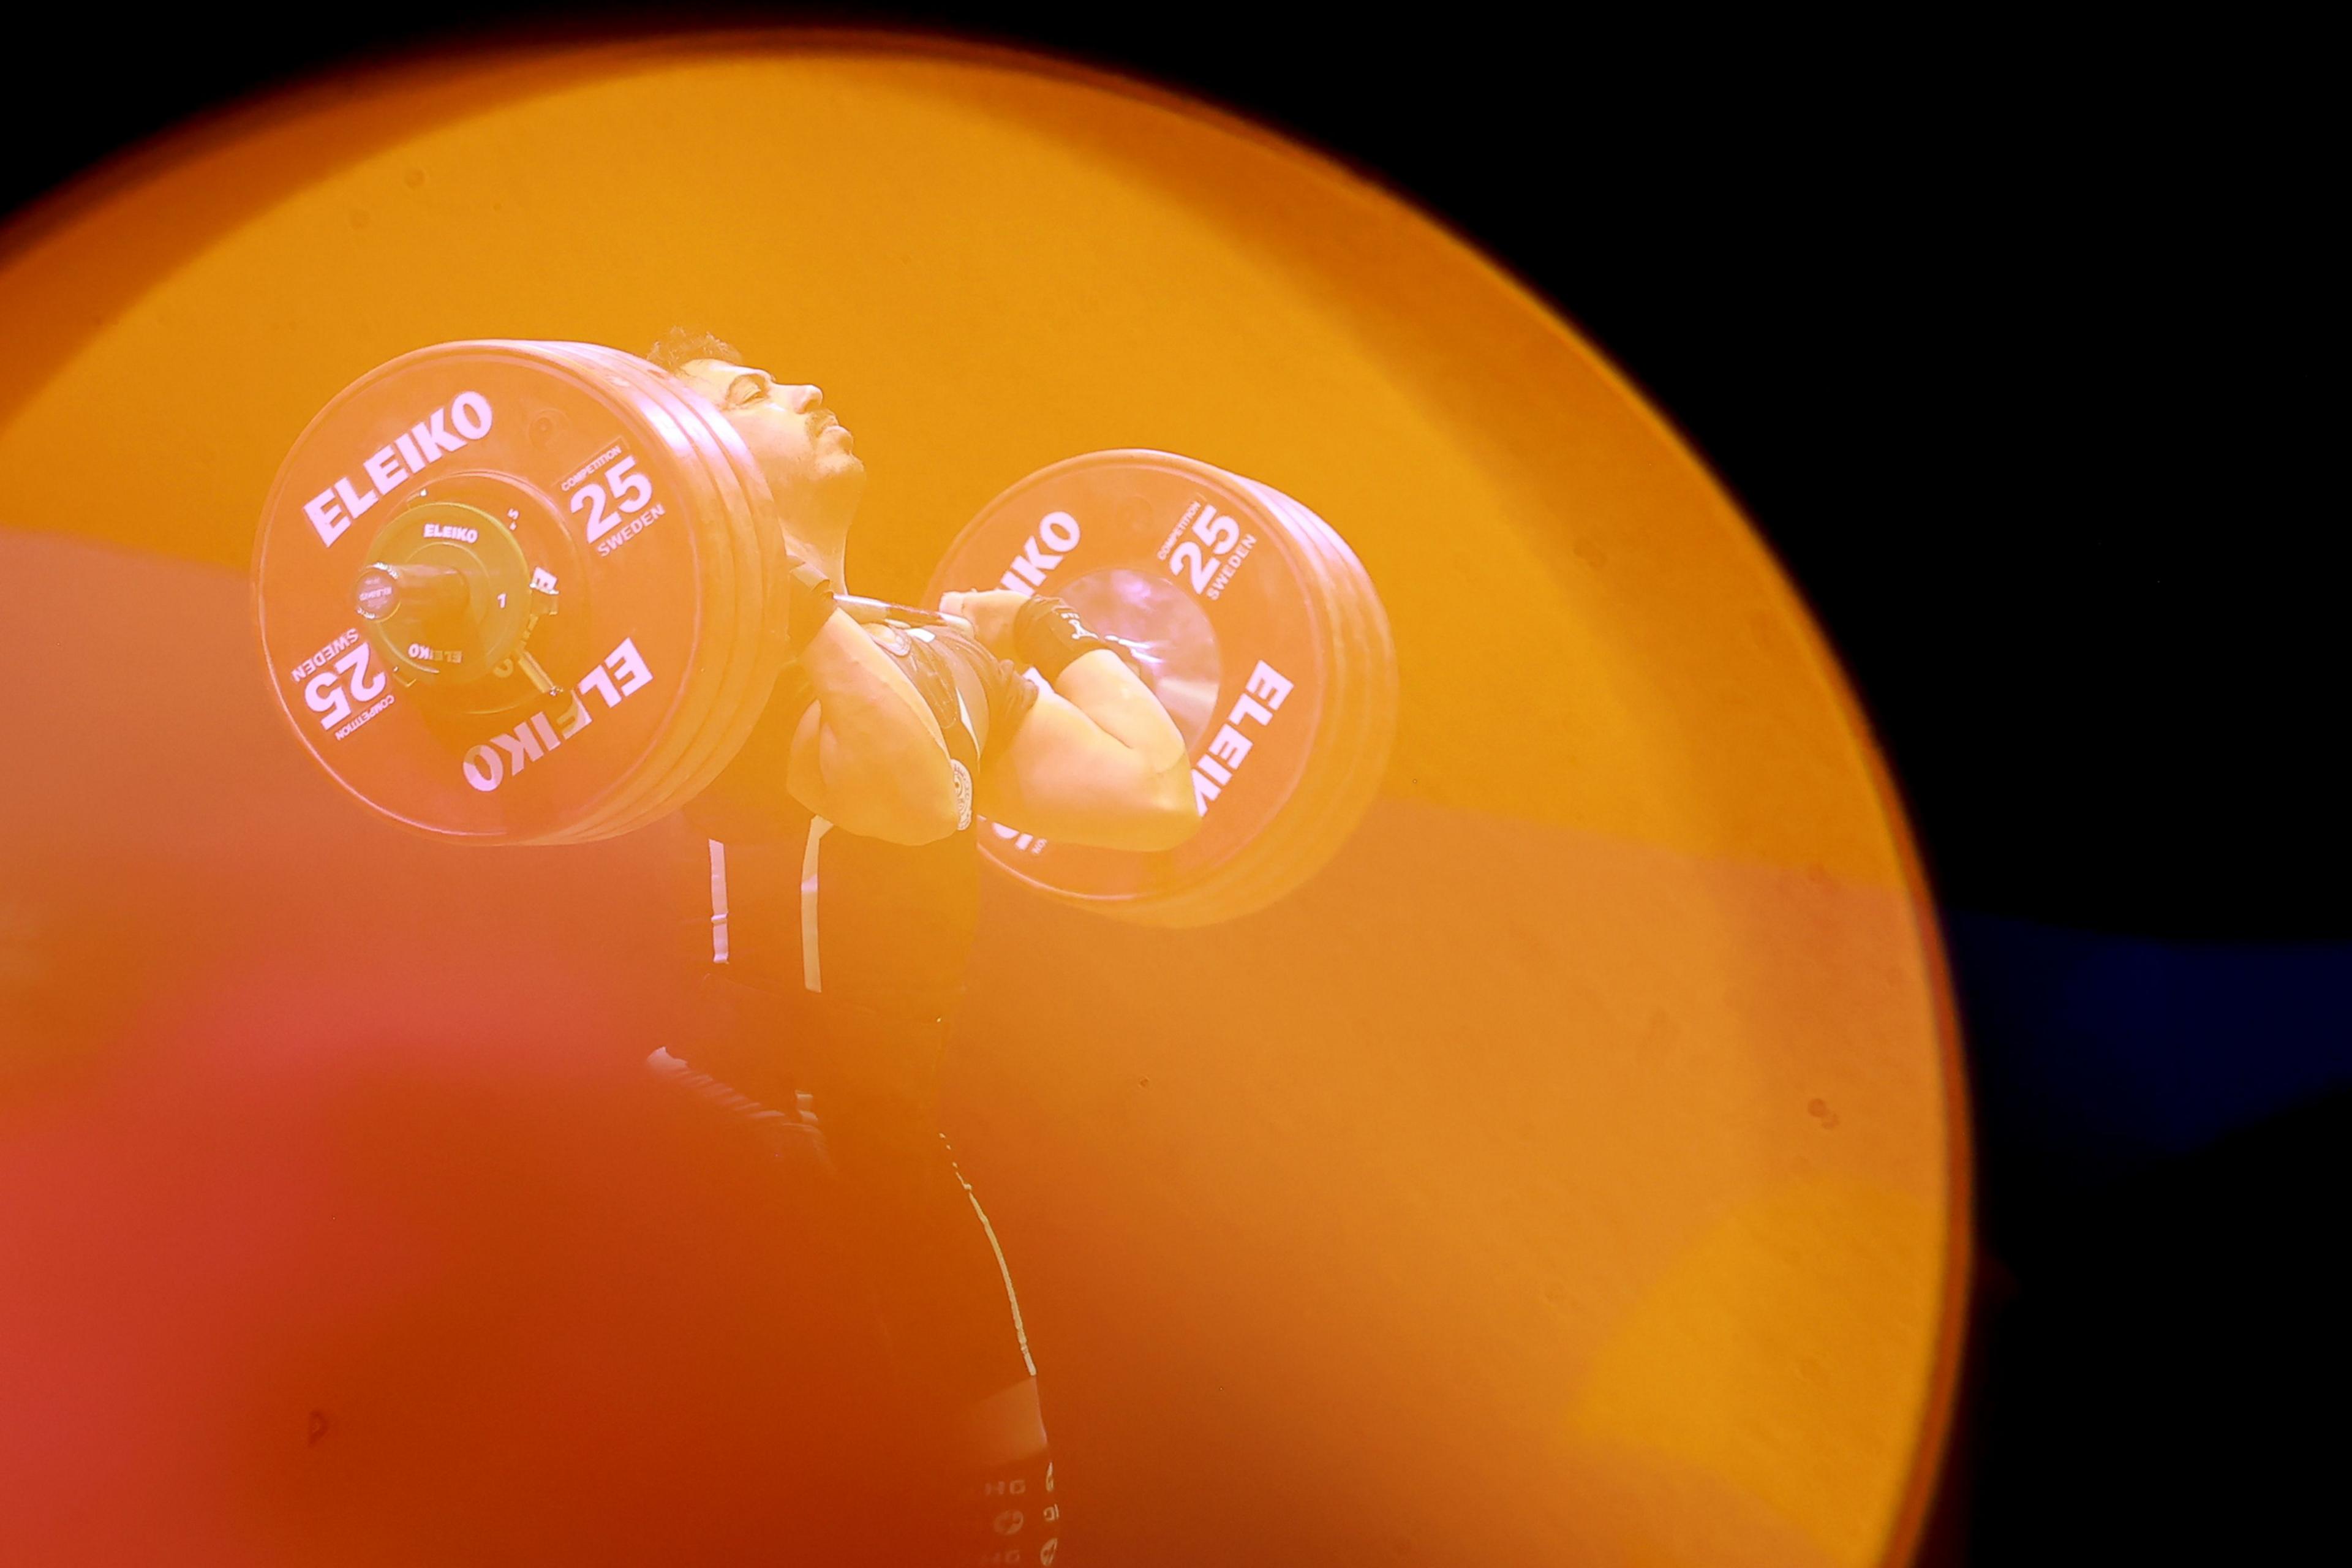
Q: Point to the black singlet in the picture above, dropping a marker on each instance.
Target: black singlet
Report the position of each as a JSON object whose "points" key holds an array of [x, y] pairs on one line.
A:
{"points": [[805, 912], [828, 964]]}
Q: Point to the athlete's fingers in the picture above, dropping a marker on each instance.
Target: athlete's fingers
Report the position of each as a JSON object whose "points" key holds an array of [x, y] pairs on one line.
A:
{"points": [[990, 613]]}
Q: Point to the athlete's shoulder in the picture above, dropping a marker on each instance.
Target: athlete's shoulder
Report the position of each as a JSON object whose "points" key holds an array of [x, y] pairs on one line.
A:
{"points": [[946, 649], [890, 636], [992, 686], [954, 642]]}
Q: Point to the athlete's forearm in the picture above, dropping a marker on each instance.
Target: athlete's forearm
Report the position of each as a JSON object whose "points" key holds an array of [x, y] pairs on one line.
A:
{"points": [[1100, 685], [862, 696], [876, 741]]}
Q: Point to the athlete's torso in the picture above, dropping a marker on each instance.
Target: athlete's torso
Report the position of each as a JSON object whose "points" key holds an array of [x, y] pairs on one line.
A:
{"points": [[802, 910], [827, 963]]}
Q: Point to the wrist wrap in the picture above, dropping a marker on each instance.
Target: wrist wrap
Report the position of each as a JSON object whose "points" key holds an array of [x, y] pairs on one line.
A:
{"points": [[1048, 633], [808, 604]]}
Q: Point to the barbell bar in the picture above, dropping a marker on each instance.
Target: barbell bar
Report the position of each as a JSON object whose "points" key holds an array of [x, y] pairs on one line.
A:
{"points": [[532, 592]]}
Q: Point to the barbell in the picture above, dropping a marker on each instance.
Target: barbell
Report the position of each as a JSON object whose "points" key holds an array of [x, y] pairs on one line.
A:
{"points": [[532, 592]]}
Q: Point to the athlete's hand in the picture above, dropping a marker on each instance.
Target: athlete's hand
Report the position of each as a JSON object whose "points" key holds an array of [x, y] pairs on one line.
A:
{"points": [[808, 603], [990, 613]]}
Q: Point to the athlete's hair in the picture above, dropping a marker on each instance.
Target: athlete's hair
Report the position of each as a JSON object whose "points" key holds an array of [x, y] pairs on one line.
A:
{"points": [[678, 348]]}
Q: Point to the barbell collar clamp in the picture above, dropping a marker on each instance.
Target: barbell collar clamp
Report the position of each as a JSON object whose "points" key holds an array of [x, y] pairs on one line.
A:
{"points": [[385, 590]]}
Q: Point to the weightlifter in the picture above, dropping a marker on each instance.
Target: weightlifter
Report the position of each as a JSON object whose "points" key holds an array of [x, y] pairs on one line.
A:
{"points": [[836, 883]]}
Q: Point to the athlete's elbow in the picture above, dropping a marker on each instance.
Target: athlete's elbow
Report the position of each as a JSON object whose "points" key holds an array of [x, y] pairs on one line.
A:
{"points": [[1167, 829], [921, 816], [1166, 815]]}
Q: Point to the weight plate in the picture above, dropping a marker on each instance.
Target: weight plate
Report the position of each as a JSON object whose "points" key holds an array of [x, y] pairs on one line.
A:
{"points": [[1223, 593], [1317, 818], [739, 479], [699, 512], [593, 490], [1332, 801], [733, 586]]}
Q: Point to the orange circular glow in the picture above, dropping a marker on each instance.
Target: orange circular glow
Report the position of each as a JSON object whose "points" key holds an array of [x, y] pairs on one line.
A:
{"points": [[1573, 1170]]}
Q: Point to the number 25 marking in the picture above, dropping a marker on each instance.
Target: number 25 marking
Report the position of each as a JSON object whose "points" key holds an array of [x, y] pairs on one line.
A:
{"points": [[325, 693], [1216, 530], [630, 492]]}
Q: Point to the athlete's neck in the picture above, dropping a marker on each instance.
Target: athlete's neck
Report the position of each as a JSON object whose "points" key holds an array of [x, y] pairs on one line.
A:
{"points": [[825, 552], [817, 508]]}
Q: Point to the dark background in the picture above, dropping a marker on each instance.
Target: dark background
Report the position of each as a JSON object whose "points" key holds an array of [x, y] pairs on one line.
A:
{"points": [[2012, 339]]}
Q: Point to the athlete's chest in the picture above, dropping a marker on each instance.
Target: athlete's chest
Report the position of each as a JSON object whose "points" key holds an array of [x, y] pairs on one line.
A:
{"points": [[941, 672], [958, 702]]}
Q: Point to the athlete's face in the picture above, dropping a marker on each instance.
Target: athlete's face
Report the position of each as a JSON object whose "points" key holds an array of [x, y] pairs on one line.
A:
{"points": [[807, 454]]}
